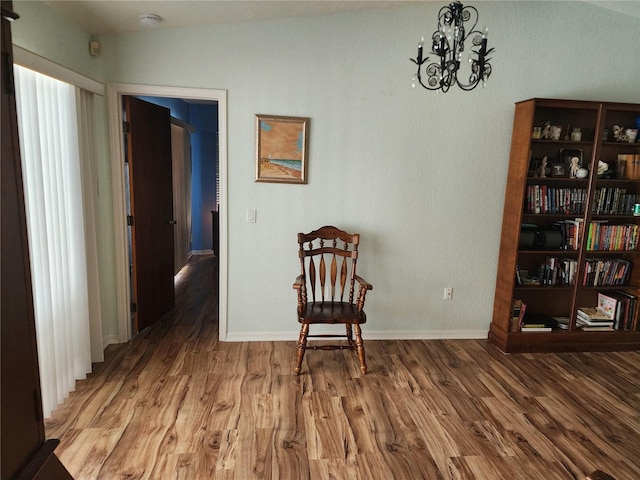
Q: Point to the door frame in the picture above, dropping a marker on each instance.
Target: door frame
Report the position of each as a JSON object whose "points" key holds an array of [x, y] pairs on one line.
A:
{"points": [[115, 92]]}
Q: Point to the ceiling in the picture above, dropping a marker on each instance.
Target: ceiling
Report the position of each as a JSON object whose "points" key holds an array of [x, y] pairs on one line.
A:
{"points": [[117, 16], [111, 16]]}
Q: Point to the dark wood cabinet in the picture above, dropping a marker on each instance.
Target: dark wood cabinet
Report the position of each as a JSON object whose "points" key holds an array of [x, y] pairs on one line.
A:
{"points": [[541, 263], [215, 227], [25, 452]]}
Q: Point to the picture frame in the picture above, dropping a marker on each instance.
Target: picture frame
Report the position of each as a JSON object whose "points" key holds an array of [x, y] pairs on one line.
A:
{"points": [[566, 154], [281, 149], [559, 170], [573, 159]]}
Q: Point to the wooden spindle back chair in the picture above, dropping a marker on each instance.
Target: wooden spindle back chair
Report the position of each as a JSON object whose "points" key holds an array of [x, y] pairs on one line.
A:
{"points": [[329, 290]]}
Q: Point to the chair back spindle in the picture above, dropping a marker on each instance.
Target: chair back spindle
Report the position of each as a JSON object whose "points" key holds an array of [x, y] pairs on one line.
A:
{"points": [[341, 256]]}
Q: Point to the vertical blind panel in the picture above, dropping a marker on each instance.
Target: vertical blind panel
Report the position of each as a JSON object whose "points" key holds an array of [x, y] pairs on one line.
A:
{"points": [[55, 223], [85, 111]]}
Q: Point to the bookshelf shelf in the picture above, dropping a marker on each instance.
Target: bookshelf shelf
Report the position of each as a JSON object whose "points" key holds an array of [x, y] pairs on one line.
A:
{"points": [[577, 236], [544, 287], [550, 252]]}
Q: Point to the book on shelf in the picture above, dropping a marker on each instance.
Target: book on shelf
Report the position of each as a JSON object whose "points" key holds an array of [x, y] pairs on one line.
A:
{"points": [[632, 165], [563, 322], [557, 271], [597, 328], [607, 304], [518, 309], [604, 236], [594, 314], [543, 199], [580, 322], [537, 322], [626, 318], [613, 201], [570, 230], [606, 271], [536, 329], [593, 230], [614, 304]]}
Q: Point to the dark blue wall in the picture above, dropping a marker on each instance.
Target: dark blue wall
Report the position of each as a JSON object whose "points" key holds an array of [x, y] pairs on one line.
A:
{"points": [[204, 151]]}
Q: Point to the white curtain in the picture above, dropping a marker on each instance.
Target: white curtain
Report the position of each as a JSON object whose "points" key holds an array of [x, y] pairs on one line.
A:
{"points": [[50, 149], [181, 173], [85, 110]]}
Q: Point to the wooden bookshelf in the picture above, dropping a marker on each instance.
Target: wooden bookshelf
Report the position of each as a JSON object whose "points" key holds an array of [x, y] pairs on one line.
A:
{"points": [[537, 209]]}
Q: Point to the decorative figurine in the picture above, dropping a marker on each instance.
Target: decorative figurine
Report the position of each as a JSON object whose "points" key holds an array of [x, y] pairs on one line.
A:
{"points": [[602, 167], [575, 166], [542, 171]]}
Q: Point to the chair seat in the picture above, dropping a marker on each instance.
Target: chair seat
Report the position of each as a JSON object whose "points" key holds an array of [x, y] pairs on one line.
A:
{"points": [[331, 313]]}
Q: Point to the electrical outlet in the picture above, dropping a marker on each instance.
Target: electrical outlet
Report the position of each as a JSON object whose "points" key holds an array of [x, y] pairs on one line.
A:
{"points": [[448, 293]]}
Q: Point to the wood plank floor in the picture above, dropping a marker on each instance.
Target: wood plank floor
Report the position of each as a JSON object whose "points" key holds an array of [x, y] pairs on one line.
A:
{"points": [[174, 403]]}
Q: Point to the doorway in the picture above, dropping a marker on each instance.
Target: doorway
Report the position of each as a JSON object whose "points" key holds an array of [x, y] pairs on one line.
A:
{"points": [[115, 92]]}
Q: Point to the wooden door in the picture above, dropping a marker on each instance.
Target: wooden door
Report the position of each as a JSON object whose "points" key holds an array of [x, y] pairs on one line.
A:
{"points": [[151, 197]]}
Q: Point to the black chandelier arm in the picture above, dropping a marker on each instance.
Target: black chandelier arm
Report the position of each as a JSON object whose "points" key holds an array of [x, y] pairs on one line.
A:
{"points": [[480, 72], [438, 77]]}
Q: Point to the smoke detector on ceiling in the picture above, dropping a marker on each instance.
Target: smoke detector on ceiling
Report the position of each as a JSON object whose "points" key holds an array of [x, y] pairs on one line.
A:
{"points": [[149, 19]]}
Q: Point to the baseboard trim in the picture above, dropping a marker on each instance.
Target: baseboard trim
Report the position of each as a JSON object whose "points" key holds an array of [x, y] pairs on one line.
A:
{"points": [[367, 335], [201, 252]]}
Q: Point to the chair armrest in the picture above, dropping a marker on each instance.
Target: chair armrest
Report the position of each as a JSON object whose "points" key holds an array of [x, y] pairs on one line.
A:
{"points": [[363, 283], [362, 292], [299, 282], [301, 286]]}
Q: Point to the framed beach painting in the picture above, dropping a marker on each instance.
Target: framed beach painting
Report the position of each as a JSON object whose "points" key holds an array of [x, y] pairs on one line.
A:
{"points": [[281, 149]]}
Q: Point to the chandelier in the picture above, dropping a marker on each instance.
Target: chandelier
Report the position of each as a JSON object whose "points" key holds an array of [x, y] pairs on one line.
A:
{"points": [[449, 45]]}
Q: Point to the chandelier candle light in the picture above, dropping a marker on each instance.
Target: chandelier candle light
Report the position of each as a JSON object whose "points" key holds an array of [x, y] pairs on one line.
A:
{"points": [[449, 44]]}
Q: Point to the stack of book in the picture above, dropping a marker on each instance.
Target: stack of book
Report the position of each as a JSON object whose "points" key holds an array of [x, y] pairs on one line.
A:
{"points": [[601, 317], [594, 319]]}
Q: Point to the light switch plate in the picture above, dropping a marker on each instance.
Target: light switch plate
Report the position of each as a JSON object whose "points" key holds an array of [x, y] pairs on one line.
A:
{"points": [[251, 216]]}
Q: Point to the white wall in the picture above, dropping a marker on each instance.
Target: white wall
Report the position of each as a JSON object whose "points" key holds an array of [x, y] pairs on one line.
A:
{"points": [[419, 175]]}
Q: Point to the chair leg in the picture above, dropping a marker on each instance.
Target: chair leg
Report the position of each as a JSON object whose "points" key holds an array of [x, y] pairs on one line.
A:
{"points": [[302, 346], [360, 348], [349, 334]]}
